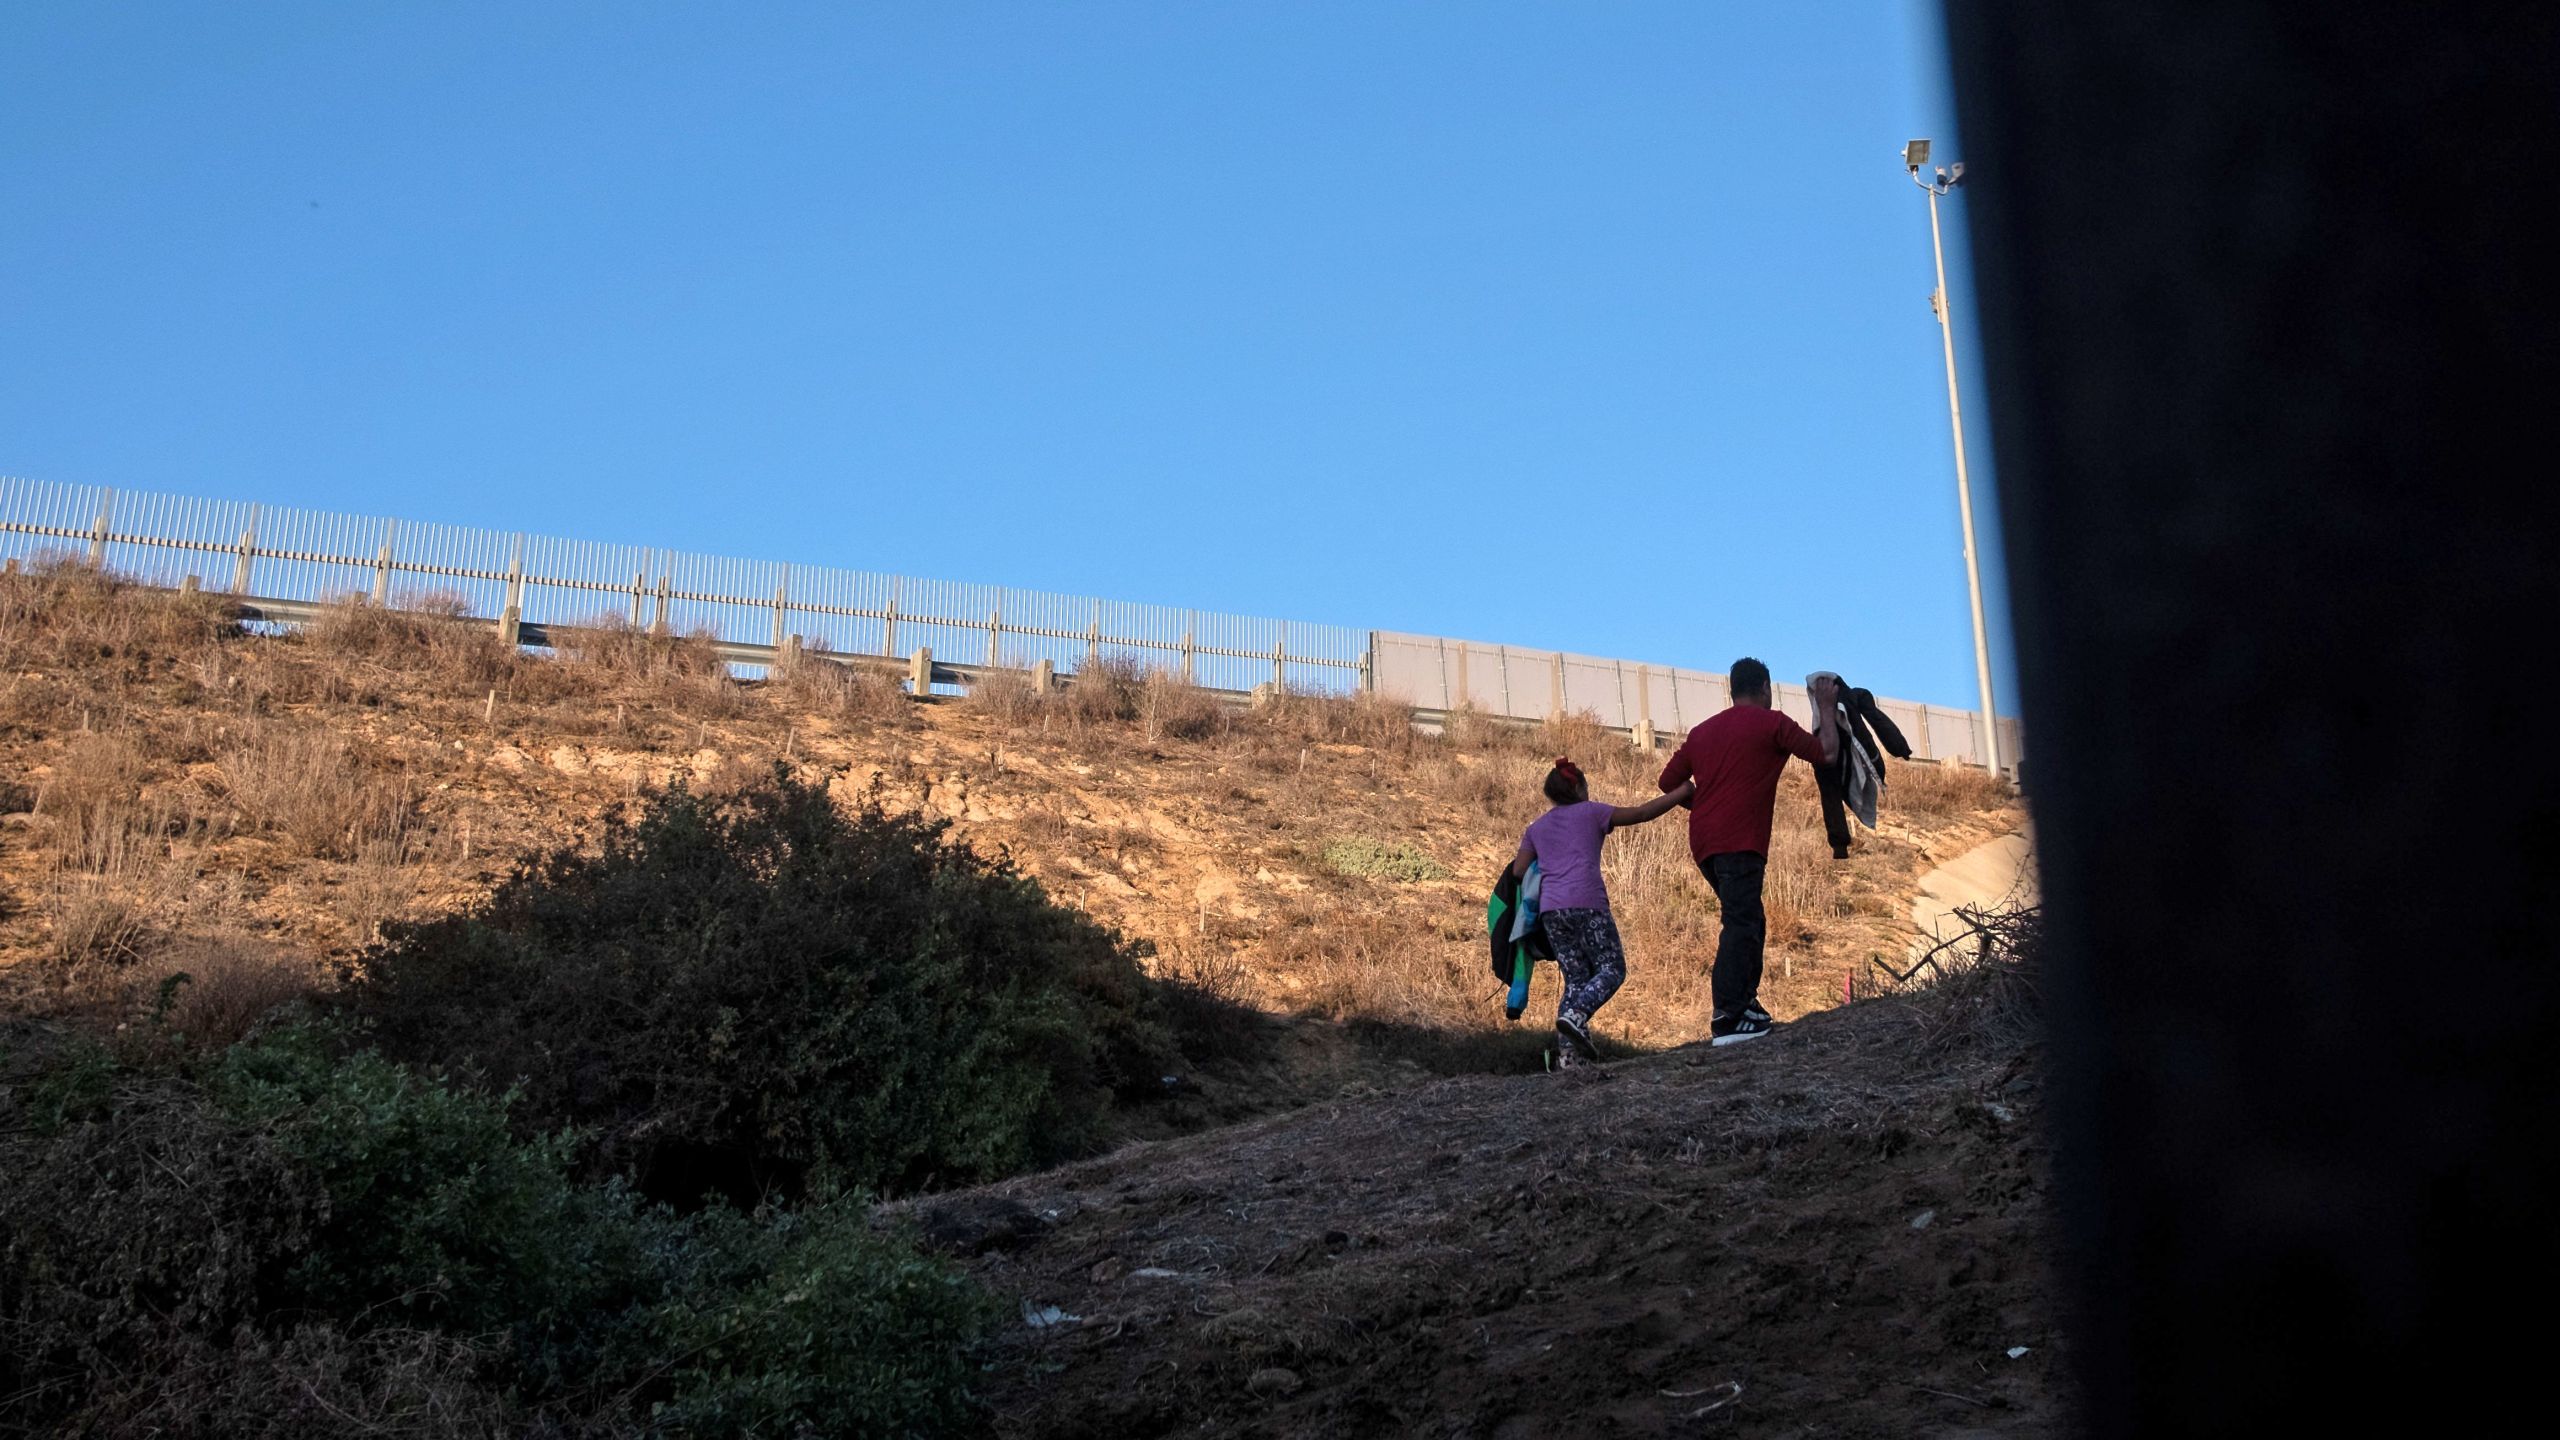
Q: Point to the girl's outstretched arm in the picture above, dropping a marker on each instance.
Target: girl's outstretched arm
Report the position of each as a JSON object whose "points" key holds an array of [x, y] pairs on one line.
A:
{"points": [[1520, 862], [1638, 814]]}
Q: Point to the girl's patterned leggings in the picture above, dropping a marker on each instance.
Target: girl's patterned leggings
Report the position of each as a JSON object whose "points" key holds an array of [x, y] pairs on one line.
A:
{"points": [[1587, 950]]}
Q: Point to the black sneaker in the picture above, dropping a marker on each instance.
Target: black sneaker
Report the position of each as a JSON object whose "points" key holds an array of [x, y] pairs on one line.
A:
{"points": [[1730, 1027], [1573, 1038]]}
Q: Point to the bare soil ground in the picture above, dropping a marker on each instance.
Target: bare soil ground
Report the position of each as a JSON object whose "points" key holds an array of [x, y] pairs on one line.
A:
{"points": [[1837, 1231]]}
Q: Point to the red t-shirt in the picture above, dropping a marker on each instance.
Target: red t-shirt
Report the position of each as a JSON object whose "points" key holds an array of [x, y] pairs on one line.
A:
{"points": [[1735, 757]]}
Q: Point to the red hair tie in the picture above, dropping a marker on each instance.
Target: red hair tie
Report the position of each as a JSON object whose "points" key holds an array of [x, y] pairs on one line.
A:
{"points": [[1571, 770]]}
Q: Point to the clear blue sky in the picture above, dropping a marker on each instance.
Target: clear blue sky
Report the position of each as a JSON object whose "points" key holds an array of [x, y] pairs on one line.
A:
{"points": [[1598, 327]]}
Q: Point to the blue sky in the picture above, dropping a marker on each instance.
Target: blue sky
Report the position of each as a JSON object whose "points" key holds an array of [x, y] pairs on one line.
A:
{"points": [[1595, 327]]}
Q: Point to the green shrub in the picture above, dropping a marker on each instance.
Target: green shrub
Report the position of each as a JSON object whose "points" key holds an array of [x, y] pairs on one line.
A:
{"points": [[131, 1229], [811, 1322], [748, 993], [437, 1213], [286, 1243], [1382, 860]]}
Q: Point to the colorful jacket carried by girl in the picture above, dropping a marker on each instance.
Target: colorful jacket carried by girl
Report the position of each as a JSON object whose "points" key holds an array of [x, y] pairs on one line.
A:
{"points": [[1518, 941]]}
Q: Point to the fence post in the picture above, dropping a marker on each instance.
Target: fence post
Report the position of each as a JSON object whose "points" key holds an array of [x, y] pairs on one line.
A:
{"points": [[188, 585], [1925, 752], [1190, 642], [1093, 638], [787, 654], [1502, 665], [382, 565], [781, 605], [1466, 694], [920, 672], [1280, 662], [1555, 685], [98, 532], [658, 619], [889, 627], [1369, 666], [1644, 706], [995, 629], [1044, 677], [248, 551]]}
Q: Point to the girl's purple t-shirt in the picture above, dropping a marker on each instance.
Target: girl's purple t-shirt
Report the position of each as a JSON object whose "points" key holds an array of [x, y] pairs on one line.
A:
{"points": [[1566, 844]]}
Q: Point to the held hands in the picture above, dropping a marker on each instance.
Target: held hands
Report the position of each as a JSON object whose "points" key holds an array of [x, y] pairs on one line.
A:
{"points": [[1639, 814]]}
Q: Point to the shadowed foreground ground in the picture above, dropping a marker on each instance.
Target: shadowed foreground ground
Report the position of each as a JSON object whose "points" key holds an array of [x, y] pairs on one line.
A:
{"points": [[1846, 1221]]}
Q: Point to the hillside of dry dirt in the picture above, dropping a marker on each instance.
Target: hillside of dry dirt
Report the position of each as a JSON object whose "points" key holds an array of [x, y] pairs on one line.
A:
{"points": [[175, 792]]}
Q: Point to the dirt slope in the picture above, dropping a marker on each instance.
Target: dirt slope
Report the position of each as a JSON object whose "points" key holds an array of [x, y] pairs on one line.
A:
{"points": [[168, 783], [1841, 1221]]}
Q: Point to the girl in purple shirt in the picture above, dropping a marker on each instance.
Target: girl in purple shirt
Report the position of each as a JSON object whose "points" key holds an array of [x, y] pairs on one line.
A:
{"points": [[1573, 901]]}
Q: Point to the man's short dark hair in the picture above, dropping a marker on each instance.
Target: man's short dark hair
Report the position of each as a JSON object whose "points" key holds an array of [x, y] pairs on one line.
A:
{"points": [[1747, 677]]}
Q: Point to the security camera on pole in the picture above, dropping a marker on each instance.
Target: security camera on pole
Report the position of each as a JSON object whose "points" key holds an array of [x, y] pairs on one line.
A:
{"points": [[1914, 156]]}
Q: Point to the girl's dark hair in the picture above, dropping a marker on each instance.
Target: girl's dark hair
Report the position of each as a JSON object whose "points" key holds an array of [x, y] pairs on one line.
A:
{"points": [[1564, 783]]}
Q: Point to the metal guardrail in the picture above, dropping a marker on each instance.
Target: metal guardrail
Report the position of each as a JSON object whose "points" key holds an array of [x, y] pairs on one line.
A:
{"points": [[532, 585], [296, 555], [269, 610]]}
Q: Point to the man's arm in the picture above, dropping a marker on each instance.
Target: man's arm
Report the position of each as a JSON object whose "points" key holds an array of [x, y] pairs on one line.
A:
{"points": [[1638, 814], [1822, 746], [1677, 773], [1826, 717]]}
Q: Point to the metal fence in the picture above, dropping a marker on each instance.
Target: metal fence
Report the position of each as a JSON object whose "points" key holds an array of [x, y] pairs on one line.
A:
{"points": [[1507, 680], [292, 555], [293, 558]]}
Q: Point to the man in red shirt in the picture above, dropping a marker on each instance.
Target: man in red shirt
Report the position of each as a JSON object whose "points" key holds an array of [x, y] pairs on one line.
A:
{"points": [[1735, 758]]}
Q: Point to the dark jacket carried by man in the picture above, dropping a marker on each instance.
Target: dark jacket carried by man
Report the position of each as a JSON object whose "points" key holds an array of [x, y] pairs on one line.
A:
{"points": [[1853, 783]]}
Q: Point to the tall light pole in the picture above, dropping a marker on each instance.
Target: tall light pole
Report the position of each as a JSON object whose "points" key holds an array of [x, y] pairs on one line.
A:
{"points": [[1914, 156]]}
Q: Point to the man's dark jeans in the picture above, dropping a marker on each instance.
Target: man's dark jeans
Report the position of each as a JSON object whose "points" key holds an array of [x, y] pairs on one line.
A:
{"points": [[1736, 877]]}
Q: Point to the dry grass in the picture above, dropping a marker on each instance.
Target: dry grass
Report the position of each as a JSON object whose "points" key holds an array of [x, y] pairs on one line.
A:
{"points": [[1345, 959], [105, 917], [1983, 990], [312, 788], [92, 799], [676, 671], [378, 887], [425, 638], [1110, 691], [60, 610], [1006, 697], [1579, 737], [829, 686], [1172, 708], [1326, 718], [1469, 729], [1110, 695], [1944, 790], [207, 989]]}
